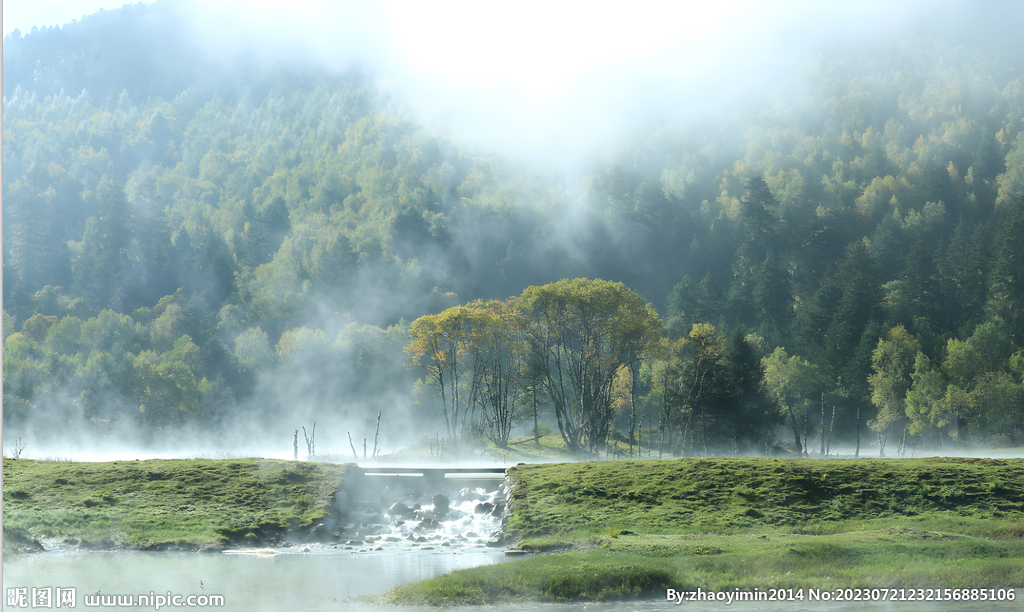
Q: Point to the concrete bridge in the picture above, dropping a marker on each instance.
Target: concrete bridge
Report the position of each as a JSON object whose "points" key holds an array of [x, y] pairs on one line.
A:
{"points": [[426, 479]]}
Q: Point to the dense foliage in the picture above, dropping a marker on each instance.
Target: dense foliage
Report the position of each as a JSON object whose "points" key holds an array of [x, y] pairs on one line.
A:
{"points": [[174, 249], [568, 342]]}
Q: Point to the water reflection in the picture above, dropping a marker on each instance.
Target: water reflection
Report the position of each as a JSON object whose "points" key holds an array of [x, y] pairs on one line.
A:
{"points": [[290, 580], [396, 535], [326, 579]]}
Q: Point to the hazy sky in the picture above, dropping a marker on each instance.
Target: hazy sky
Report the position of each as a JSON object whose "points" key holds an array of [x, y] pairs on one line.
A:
{"points": [[550, 80], [23, 14]]}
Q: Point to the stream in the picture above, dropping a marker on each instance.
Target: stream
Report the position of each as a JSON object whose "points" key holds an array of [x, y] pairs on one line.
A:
{"points": [[329, 579], [399, 539], [402, 536], [287, 580]]}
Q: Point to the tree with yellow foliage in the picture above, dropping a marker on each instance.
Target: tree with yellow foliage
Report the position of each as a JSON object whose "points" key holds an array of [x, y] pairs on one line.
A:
{"points": [[585, 331], [447, 345]]}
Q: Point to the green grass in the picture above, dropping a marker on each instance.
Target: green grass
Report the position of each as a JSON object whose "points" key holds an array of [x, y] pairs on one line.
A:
{"points": [[637, 566], [569, 576], [551, 448], [974, 496], [625, 529], [188, 503]]}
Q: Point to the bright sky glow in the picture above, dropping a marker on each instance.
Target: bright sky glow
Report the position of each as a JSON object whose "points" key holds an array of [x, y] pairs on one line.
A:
{"points": [[547, 79]]}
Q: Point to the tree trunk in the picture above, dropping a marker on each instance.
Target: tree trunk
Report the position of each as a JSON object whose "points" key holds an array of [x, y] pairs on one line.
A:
{"points": [[632, 413], [796, 432], [856, 455], [536, 427], [704, 428], [377, 433], [661, 437], [822, 424], [806, 450], [831, 425], [353, 446]]}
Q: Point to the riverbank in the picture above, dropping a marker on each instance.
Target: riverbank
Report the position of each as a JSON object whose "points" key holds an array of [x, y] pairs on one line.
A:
{"points": [[157, 504], [548, 448], [593, 531], [608, 530]]}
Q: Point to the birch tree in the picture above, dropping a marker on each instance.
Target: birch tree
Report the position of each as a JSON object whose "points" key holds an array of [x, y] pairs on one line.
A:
{"points": [[585, 331], [446, 345]]}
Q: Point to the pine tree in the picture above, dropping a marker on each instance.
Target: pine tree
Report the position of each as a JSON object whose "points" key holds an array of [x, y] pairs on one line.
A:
{"points": [[746, 405], [773, 300], [100, 267], [753, 249], [1006, 283], [34, 227], [922, 287]]}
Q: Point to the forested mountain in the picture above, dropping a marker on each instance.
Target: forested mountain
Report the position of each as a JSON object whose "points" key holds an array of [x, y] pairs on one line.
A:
{"points": [[210, 248]]}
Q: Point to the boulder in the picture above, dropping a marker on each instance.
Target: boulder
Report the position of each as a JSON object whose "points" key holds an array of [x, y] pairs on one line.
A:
{"points": [[324, 530], [426, 523], [18, 540], [467, 494], [441, 504], [341, 502], [401, 510]]}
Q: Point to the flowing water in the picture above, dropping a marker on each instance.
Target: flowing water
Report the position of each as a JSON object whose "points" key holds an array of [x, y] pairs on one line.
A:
{"points": [[330, 579], [289, 580], [380, 547], [376, 551]]}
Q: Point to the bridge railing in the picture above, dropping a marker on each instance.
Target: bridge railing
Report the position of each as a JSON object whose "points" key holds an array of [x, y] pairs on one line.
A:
{"points": [[433, 478]]}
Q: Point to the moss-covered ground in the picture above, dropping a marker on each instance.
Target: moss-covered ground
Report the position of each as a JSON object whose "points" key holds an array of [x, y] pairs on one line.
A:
{"points": [[721, 495], [610, 530], [186, 503]]}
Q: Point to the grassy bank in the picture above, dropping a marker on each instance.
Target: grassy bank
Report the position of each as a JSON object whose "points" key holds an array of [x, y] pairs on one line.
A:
{"points": [[739, 495], [624, 529], [187, 503], [549, 448], [638, 566]]}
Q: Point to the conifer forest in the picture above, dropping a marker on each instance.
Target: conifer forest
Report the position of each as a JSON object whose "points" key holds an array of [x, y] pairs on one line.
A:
{"points": [[197, 251]]}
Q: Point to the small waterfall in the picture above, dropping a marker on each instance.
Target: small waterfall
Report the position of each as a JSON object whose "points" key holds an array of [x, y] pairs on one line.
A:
{"points": [[447, 515]]}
